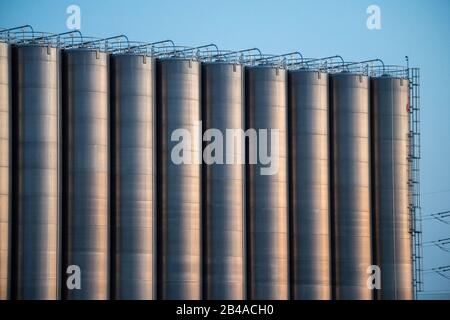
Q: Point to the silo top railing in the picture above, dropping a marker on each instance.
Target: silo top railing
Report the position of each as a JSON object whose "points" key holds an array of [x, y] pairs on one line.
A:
{"points": [[206, 53], [241, 56]]}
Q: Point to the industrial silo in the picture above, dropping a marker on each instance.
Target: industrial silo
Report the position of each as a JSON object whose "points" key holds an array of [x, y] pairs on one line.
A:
{"points": [[179, 178], [36, 141], [5, 169], [309, 187], [350, 174], [390, 142], [133, 175], [86, 171], [267, 194], [224, 193]]}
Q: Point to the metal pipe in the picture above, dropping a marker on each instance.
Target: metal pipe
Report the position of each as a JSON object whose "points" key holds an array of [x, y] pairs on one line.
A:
{"points": [[198, 48], [237, 52], [83, 44], [17, 28], [59, 36], [365, 62], [281, 56], [152, 45], [325, 58]]}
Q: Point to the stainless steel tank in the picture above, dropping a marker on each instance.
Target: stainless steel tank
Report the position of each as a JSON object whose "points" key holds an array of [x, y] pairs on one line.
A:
{"points": [[86, 185], [5, 169], [179, 185], [267, 195], [309, 188], [224, 216], [36, 85], [390, 127], [351, 203], [133, 192]]}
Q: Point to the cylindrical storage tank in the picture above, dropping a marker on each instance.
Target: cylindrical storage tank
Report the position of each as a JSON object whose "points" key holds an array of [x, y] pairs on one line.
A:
{"points": [[133, 193], [350, 174], [179, 178], [5, 169], [86, 172], [224, 193], [390, 142], [36, 143], [267, 189], [309, 187]]}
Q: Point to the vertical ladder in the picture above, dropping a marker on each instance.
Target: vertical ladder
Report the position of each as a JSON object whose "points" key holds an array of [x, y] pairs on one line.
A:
{"points": [[414, 179]]}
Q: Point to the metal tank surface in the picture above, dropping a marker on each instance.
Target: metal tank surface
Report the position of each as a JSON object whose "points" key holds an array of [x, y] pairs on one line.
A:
{"points": [[390, 143], [309, 188], [36, 141], [86, 172], [5, 169], [133, 193], [179, 185], [267, 195], [224, 215], [351, 214]]}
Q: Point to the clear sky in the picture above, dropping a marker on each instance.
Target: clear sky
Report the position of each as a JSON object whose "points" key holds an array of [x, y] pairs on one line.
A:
{"points": [[418, 28]]}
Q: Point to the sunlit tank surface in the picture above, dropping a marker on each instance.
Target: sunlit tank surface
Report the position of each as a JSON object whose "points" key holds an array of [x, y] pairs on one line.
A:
{"points": [[350, 144], [179, 185], [133, 193], [5, 169], [86, 151], [267, 195], [390, 127], [309, 193], [36, 143], [223, 108]]}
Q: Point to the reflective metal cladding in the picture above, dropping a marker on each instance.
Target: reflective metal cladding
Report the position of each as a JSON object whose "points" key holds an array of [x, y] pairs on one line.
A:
{"points": [[36, 182], [86, 151], [179, 185], [349, 103], [5, 169], [223, 108], [390, 127], [309, 193], [267, 195], [133, 191]]}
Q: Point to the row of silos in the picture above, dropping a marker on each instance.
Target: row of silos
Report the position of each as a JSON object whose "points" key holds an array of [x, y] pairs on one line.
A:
{"points": [[89, 188]]}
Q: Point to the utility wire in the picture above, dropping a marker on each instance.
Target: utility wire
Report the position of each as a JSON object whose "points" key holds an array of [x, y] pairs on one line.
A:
{"points": [[440, 216], [441, 244], [435, 192], [441, 271]]}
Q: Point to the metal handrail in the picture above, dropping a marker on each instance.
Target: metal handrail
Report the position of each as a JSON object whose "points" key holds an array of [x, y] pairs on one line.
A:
{"points": [[88, 44], [325, 59], [281, 56], [152, 45], [237, 52], [17, 28], [366, 62], [8, 31], [59, 35], [198, 49]]}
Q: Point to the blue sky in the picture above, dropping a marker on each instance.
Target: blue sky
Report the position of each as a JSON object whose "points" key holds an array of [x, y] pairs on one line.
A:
{"points": [[419, 29]]}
